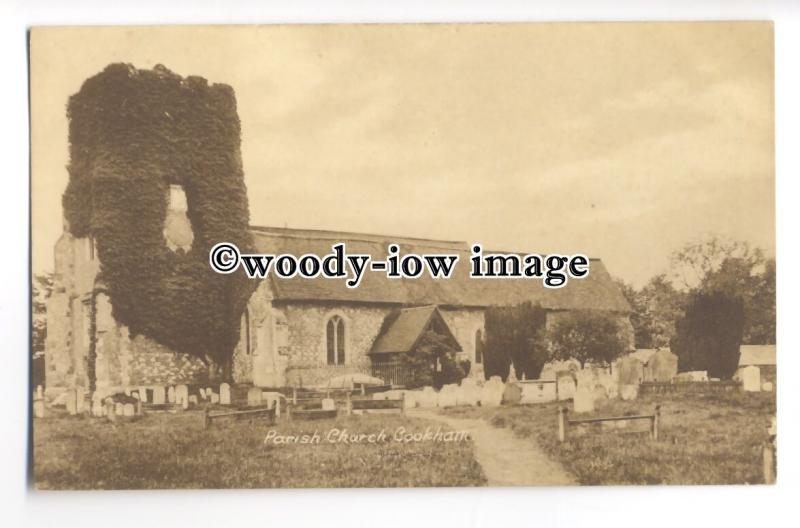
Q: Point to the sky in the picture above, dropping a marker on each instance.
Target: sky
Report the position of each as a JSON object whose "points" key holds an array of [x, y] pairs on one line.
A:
{"points": [[622, 141]]}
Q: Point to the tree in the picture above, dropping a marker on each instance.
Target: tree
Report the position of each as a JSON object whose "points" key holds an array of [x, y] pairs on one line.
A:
{"points": [[587, 336], [515, 335], [709, 335], [40, 292], [655, 308]]}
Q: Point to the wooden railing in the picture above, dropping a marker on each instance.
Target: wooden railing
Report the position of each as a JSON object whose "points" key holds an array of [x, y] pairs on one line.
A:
{"points": [[564, 424], [688, 387]]}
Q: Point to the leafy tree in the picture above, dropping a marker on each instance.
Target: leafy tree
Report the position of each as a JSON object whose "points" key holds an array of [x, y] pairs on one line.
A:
{"points": [[41, 289], [587, 336], [708, 336], [515, 335], [655, 307]]}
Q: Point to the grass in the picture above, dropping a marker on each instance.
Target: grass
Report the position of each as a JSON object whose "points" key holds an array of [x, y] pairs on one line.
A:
{"points": [[711, 439], [162, 451]]}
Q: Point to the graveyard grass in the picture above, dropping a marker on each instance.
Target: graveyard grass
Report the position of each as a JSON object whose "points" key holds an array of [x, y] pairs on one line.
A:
{"points": [[704, 439], [164, 451]]}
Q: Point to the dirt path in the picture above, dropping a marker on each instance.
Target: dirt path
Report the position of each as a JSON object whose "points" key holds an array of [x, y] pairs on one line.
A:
{"points": [[506, 460]]}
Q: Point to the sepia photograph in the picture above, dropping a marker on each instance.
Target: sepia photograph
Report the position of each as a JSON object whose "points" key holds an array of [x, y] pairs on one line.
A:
{"points": [[403, 255]]}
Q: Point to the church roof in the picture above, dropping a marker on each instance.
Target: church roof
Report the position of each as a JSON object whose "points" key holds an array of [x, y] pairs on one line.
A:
{"points": [[406, 326], [596, 291]]}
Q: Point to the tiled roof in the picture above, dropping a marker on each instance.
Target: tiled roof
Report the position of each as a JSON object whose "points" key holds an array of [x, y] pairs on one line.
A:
{"points": [[596, 291], [403, 330]]}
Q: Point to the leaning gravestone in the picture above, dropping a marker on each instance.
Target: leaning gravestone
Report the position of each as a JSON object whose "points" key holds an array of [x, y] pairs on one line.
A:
{"points": [[225, 394], [512, 393]]}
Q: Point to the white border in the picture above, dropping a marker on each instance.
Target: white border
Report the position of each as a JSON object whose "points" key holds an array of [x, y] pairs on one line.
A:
{"points": [[635, 506]]}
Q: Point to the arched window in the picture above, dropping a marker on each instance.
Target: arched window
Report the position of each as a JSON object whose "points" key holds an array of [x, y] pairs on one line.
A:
{"points": [[335, 340], [478, 346]]}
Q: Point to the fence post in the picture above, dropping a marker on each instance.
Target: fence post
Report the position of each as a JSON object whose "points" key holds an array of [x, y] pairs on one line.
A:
{"points": [[402, 403], [654, 423], [289, 413], [206, 418], [363, 390], [768, 454], [562, 424], [348, 405]]}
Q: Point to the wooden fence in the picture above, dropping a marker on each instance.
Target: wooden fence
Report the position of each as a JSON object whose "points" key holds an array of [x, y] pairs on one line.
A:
{"points": [[393, 373], [267, 413], [689, 387], [564, 423]]}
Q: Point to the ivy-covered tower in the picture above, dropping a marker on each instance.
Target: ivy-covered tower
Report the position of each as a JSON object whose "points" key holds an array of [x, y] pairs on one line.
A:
{"points": [[155, 181]]}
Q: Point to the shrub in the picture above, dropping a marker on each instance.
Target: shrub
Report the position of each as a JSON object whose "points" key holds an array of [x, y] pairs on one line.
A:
{"points": [[587, 336], [515, 334]]}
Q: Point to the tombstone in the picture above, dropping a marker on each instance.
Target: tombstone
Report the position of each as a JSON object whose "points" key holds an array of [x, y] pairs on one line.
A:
{"points": [[608, 383], [110, 410], [159, 395], [129, 410], [80, 400], [537, 392], [583, 401], [72, 401], [39, 392], [38, 408], [662, 366], [143, 394], [469, 393], [328, 404], [512, 374], [600, 395], [193, 399], [270, 398], [171, 394], [492, 392], [566, 387], [694, 375], [751, 378], [448, 396], [225, 394], [202, 393], [182, 396], [628, 392], [512, 393], [254, 396], [427, 397], [587, 377], [119, 409], [97, 408], [214, 397], [630, 371], [767, 387], [548, 373]]}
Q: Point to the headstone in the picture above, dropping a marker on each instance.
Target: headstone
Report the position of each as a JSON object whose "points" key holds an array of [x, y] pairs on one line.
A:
{"points": [[97, 408], [254, 396], [583, 400], [80, 400], [537, 392], [159, 395], [512, 374], [119, 409], [630, 371], [214, 397], [202, 393], [628, 392], [751, 378], [171, 394], [110, 410], [328, 404], [38, 408], [225, 394], [427, 397], [586, 377], [193, 399], [39, 392], [608, 383], [129, 409], [72, 401], [270, 399], [600, 395], [662, 366], [548, 373], [182, 396], [767, 387], [492, 392], [143, 394], [566, 387], [469, 393], [512, 393]]}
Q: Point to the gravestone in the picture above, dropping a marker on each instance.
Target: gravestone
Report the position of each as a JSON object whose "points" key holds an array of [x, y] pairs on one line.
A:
{"points": [[159, 395], [492, 392], [583, 401], [254, 396], [469, 393], [566, 387], [193, 399], [39, 392], [630, 371], [751, 378], [548, 373], [537, 392], [427, 397], [512, 393], [628, 392], [214, 397], [119, 409], [182, 396], [72, 401], [767, 387], [662, 366], [171, 394], [97, 408], [601, 396], [202, 393], [143, 394], [608, 382], [129, 410], [270, 399], [225, 394], [110, 410], [328, 404]]}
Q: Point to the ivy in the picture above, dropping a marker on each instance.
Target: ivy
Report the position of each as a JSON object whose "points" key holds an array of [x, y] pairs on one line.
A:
{"points": [[132, 134]]}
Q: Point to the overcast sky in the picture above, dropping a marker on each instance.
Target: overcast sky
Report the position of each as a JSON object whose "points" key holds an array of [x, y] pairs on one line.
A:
{"points": [[621, 141]]}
